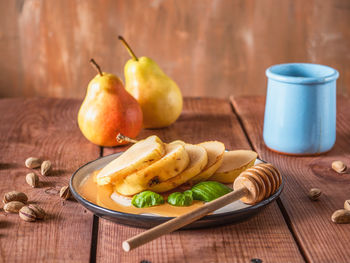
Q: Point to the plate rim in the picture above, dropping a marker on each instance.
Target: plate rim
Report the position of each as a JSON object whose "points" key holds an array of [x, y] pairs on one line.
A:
{"points": [[113, 213]]}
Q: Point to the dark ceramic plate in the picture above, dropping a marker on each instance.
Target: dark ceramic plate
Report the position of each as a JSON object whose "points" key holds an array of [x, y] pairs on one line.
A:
{"points": [[232, 213]]}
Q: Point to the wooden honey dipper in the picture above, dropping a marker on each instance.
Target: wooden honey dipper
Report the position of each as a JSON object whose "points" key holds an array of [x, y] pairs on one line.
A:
{"points": [[251, 186]]}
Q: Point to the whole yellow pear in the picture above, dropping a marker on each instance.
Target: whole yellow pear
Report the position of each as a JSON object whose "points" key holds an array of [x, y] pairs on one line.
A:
{"points": [[157, 94]]}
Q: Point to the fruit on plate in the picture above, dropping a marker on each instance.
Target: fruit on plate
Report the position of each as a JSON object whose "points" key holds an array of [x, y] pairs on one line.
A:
{"points": [[234, 162], [172, 163], [179, 142], [107, 110], [151, 165], [158, 95], [215, 152], [139, 156], [198, 160]]}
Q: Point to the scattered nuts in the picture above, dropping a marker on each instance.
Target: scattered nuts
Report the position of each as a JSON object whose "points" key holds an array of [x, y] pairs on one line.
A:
{"points": [[339, 166], [13, 206], [27, 214], [341, 216], [347, 205], [33, 162], [39, 212], [15, 196], [32, 179], [45, 167], [314, 193], [65, 193]]}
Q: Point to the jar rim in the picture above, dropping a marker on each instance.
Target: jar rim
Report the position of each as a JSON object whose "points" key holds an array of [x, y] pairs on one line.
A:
{"points": [[302, 73]]}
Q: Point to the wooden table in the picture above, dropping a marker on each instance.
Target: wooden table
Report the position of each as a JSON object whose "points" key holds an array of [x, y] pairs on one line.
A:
{"points": [[293, 229]]}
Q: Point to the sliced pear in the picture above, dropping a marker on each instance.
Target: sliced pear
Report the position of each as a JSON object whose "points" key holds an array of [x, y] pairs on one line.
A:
{"points": [[174, 162], [199, 159], [137, 157], [178, 142], [234, 162], [215, 152]]}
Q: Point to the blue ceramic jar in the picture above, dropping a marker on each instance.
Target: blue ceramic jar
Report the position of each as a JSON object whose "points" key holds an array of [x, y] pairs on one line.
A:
{"points": [[300, 110]]}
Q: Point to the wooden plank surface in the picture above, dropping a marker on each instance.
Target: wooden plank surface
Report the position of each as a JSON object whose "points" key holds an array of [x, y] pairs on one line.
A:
{"points": [[321, 240], [44, 128], [266, 236], [210, 48]]}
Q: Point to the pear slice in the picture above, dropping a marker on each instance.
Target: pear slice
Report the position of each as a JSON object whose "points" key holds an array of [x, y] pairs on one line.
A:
{"points": [[215, 152], [234, 162], [174, 162], [178, 142], [137, 157], [199, 159]]}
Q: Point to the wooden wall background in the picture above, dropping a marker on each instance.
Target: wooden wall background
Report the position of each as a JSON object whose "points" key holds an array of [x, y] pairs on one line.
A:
{"points": [[210, 47]]}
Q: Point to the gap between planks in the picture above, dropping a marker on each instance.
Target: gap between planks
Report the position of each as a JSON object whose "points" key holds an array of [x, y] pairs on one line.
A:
{"points": [[95, 226], [278, 200]]}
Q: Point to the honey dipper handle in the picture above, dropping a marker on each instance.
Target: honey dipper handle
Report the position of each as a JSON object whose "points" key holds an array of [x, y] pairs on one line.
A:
{"points": [[183, 220]]}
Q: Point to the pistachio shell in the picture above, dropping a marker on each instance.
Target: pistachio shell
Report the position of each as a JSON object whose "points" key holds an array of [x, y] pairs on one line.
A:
{"points": [[347, 205], [65, 193], [39, 212], [27, 214], [314, 193], [13, 206], [46, 167], [341, 216], [32, 179], [339, 166], [33, 162], [15, 196]]}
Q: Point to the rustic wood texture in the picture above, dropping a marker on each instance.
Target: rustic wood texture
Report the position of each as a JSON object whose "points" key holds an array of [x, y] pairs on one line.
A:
{"points": [[47, 128], [223, 46], [266, 236], [321, 240], [44, 128]]}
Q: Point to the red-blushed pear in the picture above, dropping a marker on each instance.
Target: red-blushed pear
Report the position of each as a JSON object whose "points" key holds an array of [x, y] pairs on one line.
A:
{"points": [[108, 109]]}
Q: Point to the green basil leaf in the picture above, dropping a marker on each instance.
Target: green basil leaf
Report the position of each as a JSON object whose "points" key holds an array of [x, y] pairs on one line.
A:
{"points": [[181, 199], [147, 199], [209, 191]]}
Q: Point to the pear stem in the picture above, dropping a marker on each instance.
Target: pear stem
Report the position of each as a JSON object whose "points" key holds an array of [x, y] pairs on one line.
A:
{"points": [[122, 138], [132, 54], [96, 66]]}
